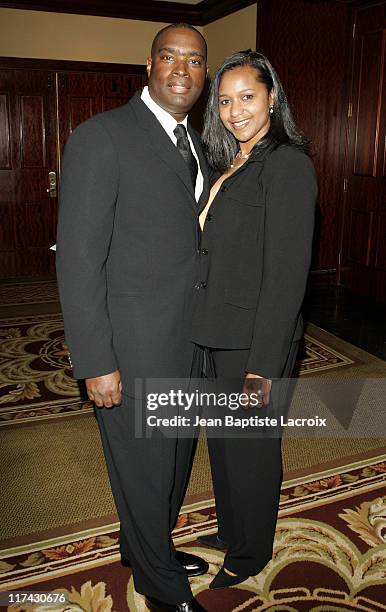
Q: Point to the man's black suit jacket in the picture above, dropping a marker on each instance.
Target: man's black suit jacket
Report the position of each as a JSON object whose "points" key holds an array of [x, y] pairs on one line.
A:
{"points": [[127, 247]]}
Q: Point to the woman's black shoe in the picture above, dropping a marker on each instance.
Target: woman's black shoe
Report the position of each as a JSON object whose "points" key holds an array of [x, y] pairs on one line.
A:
{"points": [[223, 580], [213, 541]]}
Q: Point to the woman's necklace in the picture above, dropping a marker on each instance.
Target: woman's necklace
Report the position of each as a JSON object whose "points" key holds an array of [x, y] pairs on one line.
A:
{"points": [[240, 156]]}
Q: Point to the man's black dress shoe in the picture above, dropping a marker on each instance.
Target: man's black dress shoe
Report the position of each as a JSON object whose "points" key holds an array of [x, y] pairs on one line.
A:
{"points": [[193, 565], [155, 605], [213, 541]]}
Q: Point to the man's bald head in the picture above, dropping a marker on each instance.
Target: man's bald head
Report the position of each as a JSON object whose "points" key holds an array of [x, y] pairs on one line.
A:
{"points": [[171, 26]]}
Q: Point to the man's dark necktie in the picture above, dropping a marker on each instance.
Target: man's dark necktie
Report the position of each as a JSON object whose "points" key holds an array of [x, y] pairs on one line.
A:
{"points": [[184, 148]]}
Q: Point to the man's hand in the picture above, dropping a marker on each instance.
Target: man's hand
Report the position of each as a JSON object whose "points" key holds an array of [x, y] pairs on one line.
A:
{"points": [[105, 390], [257, 387]]}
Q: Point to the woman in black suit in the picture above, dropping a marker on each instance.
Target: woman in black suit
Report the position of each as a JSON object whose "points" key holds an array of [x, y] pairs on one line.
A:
{"points": [[255, 257]]}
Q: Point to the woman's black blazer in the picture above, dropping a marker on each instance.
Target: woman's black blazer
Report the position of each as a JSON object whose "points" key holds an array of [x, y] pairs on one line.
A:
{"points": [[255, 256]]}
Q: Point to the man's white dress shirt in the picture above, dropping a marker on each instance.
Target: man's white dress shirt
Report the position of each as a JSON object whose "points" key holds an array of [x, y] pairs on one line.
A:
{"points": [[169, 124]]}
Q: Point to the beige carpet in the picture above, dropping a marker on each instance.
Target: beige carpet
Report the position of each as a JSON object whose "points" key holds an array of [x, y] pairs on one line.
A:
{"points": [[54, 475], [303, 453], [298, 454]]}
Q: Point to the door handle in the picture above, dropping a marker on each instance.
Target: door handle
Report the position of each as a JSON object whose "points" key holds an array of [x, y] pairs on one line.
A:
{"points": [[52, 185]]}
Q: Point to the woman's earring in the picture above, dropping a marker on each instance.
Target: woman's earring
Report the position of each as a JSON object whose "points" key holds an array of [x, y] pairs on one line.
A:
{"points": [[271, 110]]}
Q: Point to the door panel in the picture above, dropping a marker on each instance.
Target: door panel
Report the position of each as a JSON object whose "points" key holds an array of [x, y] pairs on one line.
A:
{"points": [[363, 267], [38, 111], [79, 98], [370, 61], [118, 88], [32, 126], [360, 228], [84, 94], [5, 144], [28, 153], [380, 254]]}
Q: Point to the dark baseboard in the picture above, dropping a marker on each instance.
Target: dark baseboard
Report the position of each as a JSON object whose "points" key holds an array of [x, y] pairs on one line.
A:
{"points": [[323, 277]]}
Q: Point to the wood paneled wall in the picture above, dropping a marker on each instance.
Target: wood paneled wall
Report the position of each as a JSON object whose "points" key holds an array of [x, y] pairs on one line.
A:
{"points": [[309, 44], [363, 262]]}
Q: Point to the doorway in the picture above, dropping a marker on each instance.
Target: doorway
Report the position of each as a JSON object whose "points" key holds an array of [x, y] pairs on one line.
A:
{"points": [[41, 102]]}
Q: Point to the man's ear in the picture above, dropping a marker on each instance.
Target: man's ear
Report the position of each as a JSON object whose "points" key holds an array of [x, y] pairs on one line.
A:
{"points": [[148, 66]]}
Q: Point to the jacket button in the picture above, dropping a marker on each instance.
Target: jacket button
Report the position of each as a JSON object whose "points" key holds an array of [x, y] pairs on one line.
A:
{"points": [[197, 286], [203, 284], [204, 251], [208, 217]]}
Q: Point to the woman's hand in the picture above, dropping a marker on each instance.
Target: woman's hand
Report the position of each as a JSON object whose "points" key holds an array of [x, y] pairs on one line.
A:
{"points": [[258, 390]]}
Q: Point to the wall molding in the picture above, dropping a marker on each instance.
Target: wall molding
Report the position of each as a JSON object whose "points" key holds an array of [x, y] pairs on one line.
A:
{"points": [[26, 63], [199, 14]]}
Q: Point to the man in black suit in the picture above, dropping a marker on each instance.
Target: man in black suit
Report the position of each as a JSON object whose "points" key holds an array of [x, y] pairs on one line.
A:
{"points": [[133, 182]]}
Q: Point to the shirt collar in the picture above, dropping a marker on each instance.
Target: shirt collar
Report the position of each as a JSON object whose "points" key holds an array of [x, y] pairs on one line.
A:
{"points": [[166, 120]]}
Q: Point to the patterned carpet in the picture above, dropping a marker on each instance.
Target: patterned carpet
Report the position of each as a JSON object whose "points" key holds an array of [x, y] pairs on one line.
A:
{"points": [[35, 376], [330, 547], [329, 554], [29, 292], [36, 381]]}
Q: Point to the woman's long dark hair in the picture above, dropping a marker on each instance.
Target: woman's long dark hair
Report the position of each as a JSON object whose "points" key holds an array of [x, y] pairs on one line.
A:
{"points": [[220, 145]]}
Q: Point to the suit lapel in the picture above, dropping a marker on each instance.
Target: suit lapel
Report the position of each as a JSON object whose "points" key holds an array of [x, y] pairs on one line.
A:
{"points": [[203, 166], [160, 143]]}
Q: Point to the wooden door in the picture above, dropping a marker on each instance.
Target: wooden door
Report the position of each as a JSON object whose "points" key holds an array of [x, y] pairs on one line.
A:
{"points": [[83, 94], [38, 111], [27, 155], [363, 267], [79, 98]]}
